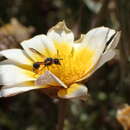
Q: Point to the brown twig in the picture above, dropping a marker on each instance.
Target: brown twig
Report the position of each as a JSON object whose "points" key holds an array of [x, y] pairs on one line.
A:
{"points": [[102, 15], [61, 114], [76, 28], [122, 14]]}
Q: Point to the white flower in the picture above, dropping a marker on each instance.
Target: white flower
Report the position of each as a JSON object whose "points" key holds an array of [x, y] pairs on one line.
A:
{"points": [[27, 69]]}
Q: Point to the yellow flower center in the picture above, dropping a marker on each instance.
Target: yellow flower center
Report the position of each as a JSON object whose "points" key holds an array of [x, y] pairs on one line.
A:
{"points": [[74, 64]]}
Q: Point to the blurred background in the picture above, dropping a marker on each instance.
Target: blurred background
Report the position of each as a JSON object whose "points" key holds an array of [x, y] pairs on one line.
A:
{"points": [[109, 87]]}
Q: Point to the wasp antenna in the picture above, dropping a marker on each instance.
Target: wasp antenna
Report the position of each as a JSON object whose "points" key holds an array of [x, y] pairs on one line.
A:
{"points": [[72, 51], [57, 52], [58, 55], [35, 51]]}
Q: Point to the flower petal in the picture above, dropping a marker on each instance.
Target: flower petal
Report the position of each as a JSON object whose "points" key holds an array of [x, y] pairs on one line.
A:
{"points": [[40, 43], [74, 91], [49, 78], [95, 42], [62, 37], [5, 62], [61, 33], [11, 74], [108, 54], [97, 38], [114, 42], [103, 59], [8, 91], [17, 56]]}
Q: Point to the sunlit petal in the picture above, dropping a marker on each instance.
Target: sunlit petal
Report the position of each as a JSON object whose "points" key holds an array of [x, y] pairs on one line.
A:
{"points": [[61, 33], [49, 78], [107, 55], [91, 46], [8, 91], [11, 74], [17, 56], [113, 44], [40, 43], [74, 91]]}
